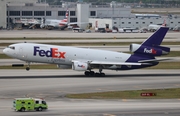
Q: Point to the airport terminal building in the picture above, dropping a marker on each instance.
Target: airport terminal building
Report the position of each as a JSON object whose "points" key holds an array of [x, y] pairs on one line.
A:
{"points": [[105, 16]]}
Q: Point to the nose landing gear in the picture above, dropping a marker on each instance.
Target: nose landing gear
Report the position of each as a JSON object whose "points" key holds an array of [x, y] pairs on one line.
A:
{"points": [[28, 66]]}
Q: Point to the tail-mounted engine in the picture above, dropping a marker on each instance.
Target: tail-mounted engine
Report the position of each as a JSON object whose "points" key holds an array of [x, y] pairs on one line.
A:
{"points": [[149, 50], [79, 66]]}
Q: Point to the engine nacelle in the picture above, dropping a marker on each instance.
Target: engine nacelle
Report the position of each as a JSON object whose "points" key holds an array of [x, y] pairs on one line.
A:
{"points": [[149, 50], [64, 66], [79, 66]]}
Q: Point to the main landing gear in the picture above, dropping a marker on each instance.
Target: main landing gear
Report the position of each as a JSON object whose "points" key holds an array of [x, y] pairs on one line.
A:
{"points": [[92, 73]]}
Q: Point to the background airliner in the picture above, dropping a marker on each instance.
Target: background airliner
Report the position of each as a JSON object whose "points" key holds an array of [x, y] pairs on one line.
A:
{"points": [[52, 23], [61, 24], [155, 27], [82, 59]]}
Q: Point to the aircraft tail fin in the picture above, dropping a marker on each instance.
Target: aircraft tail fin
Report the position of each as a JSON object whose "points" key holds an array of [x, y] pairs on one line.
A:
{"points": [[157, 37], [66, 16], [164, 23], [151, 46]]}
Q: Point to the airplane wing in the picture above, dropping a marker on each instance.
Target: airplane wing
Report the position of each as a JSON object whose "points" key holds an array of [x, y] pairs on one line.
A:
{"points": [[116, 63]]}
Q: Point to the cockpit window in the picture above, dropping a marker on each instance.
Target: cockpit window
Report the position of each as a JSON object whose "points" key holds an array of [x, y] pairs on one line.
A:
{"points": [[11, 47]]}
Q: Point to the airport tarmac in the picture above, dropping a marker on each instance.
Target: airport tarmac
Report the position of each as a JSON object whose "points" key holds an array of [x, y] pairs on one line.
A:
{"points": [[54, 84]]}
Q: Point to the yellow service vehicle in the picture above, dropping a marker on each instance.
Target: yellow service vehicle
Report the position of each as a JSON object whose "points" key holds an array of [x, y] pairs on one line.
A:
{"points": [[29, 104]]}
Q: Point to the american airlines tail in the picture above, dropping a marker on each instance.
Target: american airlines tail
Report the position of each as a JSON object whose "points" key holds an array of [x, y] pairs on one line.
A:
{"points": [[66, 16]]}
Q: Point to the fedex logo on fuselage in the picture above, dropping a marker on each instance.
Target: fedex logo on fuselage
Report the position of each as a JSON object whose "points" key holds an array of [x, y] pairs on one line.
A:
{"points": [[151, 51], [53, 52], [82, 66]]}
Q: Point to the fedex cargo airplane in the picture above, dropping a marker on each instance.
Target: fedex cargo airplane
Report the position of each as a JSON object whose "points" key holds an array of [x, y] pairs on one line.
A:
{"points": [[85, 59]]}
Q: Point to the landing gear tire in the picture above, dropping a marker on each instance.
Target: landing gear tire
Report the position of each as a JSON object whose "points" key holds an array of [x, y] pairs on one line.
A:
{"points": [[27, 68], [102, 74], [99, 74], [89, 73]]}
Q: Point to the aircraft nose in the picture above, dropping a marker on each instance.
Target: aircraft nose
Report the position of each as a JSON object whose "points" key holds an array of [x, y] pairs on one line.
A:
{"points": [[5, 51]]}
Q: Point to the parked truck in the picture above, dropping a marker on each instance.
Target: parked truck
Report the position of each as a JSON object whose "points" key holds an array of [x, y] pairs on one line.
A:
{"points": [[29, 104]]}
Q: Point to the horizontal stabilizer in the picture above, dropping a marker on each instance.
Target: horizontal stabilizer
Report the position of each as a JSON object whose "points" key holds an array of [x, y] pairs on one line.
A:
{"points": [[153, 60]]}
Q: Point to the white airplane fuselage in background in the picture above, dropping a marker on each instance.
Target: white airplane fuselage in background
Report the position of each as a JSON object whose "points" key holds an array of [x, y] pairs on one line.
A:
{"points": [[53, 23], [153, 27], [82, 59]]}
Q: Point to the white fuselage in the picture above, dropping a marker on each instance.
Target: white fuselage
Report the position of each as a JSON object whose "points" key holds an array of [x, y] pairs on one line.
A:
{"points": [[61, 54]]}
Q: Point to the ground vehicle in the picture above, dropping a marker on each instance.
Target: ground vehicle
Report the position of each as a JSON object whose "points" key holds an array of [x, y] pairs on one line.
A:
{"points": [[29, 104]]}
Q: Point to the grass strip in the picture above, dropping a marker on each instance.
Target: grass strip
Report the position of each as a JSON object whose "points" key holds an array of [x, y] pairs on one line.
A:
{"points": [[161, 65], [173, 93]]}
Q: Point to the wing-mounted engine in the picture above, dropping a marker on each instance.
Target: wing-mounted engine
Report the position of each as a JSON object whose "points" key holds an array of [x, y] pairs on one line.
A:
{"points": [[149, 50], [79, 66]]}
